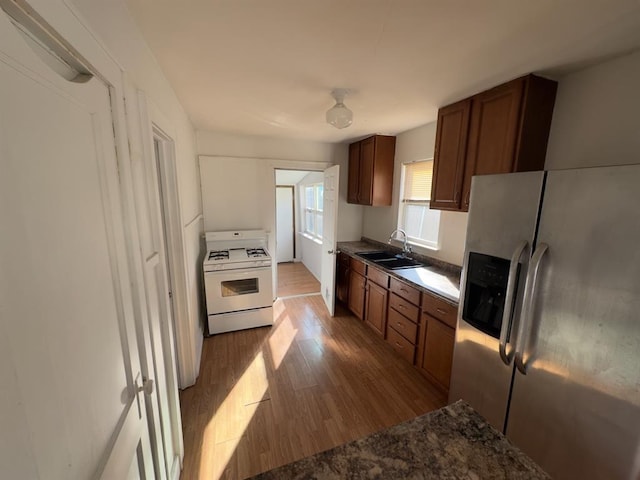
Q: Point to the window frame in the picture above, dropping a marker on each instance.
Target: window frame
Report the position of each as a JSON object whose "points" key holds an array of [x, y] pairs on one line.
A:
{"points": [[317, 210], [402, 203]]}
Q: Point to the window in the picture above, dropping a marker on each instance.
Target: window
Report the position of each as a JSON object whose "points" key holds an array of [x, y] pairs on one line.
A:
{"points": [[313, 198], [415, 217]]}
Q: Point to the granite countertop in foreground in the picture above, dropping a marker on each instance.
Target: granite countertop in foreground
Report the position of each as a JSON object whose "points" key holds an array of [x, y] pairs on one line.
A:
{"points": [[454, 442], [437, 277]]}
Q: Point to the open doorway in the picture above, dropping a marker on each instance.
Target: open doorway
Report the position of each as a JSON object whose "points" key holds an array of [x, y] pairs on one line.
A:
{"points": [[299, 195]]}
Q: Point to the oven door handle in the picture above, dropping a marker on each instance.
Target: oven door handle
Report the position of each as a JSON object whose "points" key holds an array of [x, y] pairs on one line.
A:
{"points": [[237, 270], [506, 349]]}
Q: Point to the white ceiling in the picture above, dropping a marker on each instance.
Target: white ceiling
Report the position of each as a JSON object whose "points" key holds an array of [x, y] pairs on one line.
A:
{"points": [[267, 67]]}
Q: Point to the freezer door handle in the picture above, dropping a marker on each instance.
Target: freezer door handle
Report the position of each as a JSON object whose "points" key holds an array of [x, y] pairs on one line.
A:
{"points": [[506, 349], [524, 333]]}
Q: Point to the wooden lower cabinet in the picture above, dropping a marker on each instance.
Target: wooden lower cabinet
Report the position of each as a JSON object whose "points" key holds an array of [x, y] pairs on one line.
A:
{"points": [[404, 347], [402, 318], [435, 352], [423, 335], [356, 294], [342, 277], [376, 307]]}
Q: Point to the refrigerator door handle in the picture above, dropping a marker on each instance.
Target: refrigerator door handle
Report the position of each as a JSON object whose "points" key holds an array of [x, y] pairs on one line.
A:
{"points": [[524, 332], [506, 349]]}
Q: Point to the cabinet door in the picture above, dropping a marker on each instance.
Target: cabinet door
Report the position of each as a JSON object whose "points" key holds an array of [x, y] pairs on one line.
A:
{"points": [[493, 132], [436, 351], [376, 311], [342, 279], [356, 294], [367, 159], [449, 155], [353, 189]]}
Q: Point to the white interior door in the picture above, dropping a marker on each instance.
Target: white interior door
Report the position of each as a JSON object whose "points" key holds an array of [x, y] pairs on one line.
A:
{"points": [[149, 149], [329, 236], [284, 224], [69, 405]]}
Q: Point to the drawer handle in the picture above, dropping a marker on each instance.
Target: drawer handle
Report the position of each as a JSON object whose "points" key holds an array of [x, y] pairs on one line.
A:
{"points": [[398, 345], [404, 290], [443, 312], [401, 306]]}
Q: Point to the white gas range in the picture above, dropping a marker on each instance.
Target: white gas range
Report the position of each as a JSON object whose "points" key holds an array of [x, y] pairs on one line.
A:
{"points": [[237, 280]]}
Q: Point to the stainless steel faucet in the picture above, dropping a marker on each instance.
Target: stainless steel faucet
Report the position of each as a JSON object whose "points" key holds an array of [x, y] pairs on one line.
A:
{"points": [[406, 248]]}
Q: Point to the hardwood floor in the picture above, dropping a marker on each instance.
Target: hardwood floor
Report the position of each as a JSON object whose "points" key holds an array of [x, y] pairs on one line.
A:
{"points": [[268, 396], [295, 279]]}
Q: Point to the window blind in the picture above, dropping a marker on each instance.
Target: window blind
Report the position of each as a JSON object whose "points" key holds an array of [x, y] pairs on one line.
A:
{"points": [[417, 181]]}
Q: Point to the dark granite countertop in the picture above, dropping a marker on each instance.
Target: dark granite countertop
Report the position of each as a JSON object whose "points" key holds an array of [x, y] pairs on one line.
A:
{"points": [[454, 442], [436, 277]]}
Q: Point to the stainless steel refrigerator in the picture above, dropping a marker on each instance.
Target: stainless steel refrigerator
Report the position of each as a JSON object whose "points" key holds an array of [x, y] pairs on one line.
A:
{"points": [[548, 339]]}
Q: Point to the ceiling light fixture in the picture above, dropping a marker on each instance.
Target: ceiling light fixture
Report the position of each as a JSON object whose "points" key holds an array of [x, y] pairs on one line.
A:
{"points": [[339, 115]]}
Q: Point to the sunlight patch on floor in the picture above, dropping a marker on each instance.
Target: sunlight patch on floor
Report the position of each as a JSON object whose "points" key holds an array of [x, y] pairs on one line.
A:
{"points": [[280, 340], [234, 415]]}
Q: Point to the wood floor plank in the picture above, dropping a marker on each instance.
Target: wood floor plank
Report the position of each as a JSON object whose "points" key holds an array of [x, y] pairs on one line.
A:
{"points": [[269, 396], [296, 279]]}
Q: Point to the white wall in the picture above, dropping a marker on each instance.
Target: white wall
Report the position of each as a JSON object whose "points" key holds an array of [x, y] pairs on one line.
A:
{"points": [[118, 33], [595, 120], [379, 222], [276, 153]]}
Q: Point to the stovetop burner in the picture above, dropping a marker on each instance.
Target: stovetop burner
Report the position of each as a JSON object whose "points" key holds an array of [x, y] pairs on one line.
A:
{"points": [[218, 255], [235, 250], [256, 252]]}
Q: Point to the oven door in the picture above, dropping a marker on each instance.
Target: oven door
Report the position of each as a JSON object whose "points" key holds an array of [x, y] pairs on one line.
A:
{"points": [[235, 290]]}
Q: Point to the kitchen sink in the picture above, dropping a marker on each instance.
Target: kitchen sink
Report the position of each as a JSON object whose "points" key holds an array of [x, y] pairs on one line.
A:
{"points": [[378, 255], [397, 263], [389, 260]]}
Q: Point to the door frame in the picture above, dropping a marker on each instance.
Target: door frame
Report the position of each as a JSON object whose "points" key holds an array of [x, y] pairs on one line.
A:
{"points": [[272, 166], [162, 173], [154, 121]]}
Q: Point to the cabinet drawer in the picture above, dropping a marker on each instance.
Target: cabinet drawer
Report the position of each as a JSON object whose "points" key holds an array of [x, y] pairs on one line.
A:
{"points": [[378, 276], [402, 325], [440, 309], [343, 259], [405, 291], [401, 345], [405, 308], [358, 266]]}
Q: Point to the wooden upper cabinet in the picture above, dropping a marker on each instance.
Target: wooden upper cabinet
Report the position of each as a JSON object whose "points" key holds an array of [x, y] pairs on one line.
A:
{"points": [[367, 170], [493, 133], [449, 155], [371, 171], [507, 129], [354, 173]]}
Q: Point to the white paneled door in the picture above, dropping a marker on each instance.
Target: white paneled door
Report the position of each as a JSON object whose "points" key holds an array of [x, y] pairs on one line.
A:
{"points": [[149, 148], [329, 236], [70, 406], [284, 224]]}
